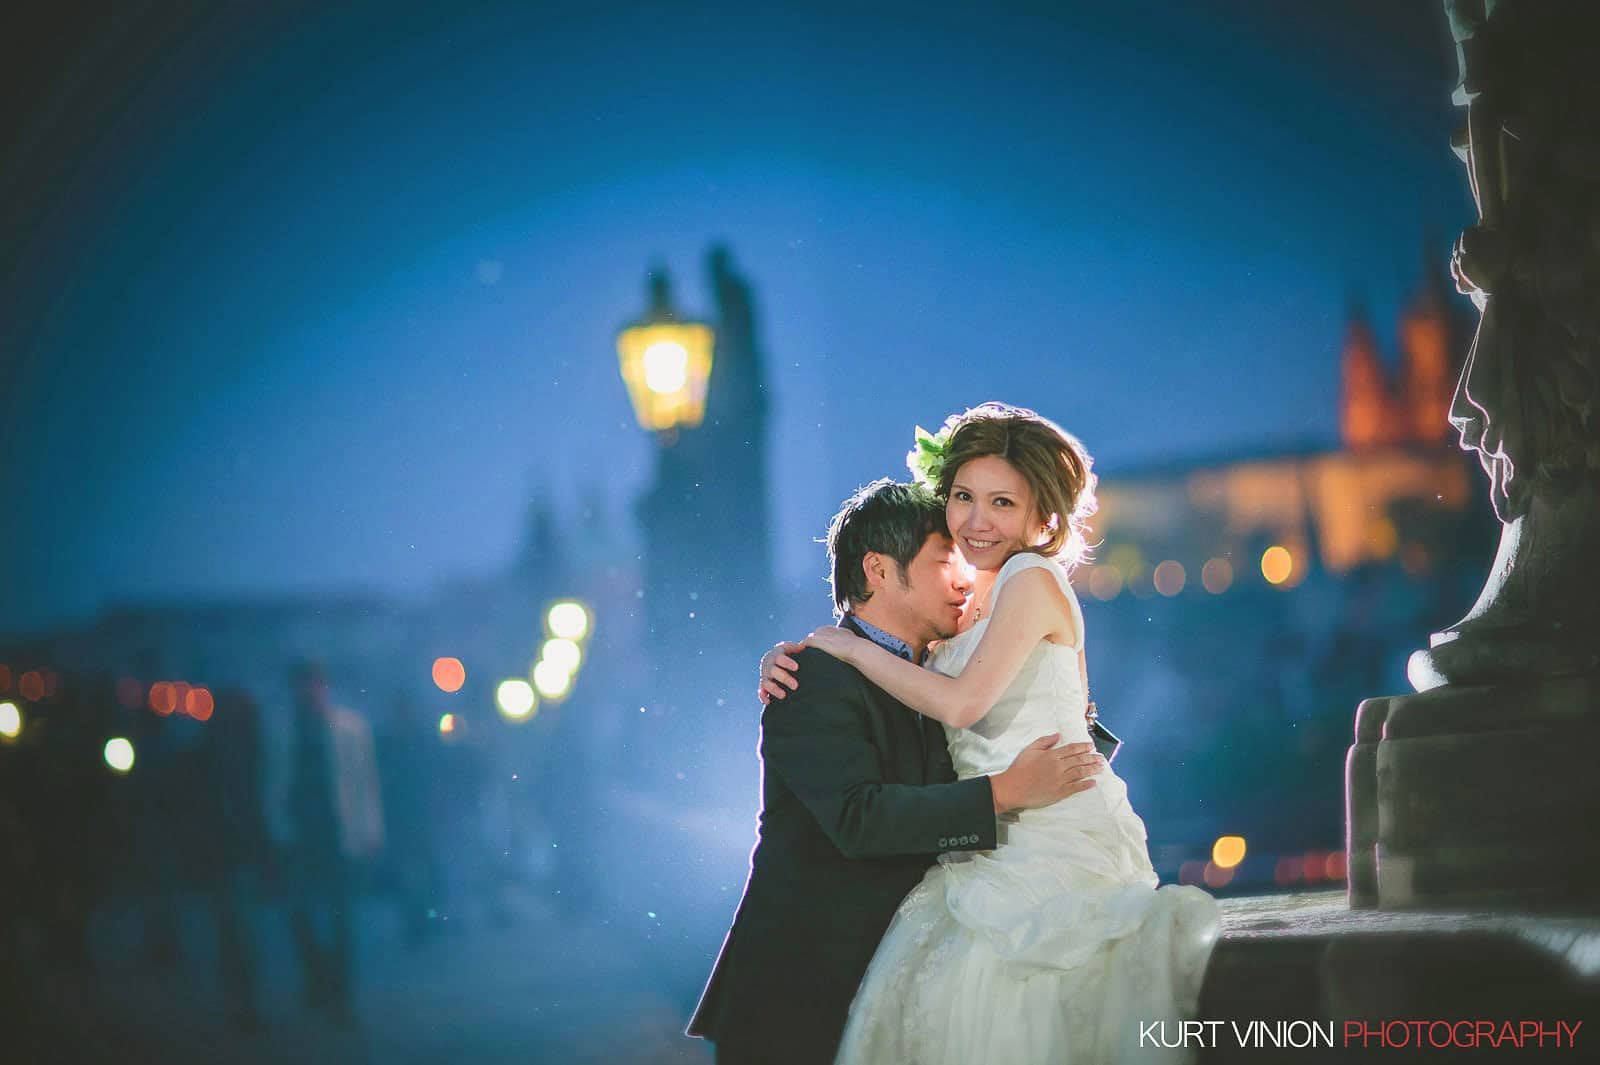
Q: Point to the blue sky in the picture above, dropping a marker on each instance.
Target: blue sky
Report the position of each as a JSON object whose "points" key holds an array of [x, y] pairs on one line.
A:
{"points": [[304, 299]]}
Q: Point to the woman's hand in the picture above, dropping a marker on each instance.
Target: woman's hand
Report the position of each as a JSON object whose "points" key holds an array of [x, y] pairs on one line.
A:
{"points": [[839, 642], [778, 670]]}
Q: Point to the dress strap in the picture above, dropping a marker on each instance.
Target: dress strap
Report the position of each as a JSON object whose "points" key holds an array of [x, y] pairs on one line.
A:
{"points": [[1033, 560]]}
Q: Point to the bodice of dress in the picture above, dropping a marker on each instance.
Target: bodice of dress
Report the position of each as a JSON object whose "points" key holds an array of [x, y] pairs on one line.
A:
{"points": [[1045, 696]]}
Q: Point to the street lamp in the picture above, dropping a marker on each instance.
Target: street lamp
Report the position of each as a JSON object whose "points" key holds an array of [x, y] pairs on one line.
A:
{"points": [[666, 362]]}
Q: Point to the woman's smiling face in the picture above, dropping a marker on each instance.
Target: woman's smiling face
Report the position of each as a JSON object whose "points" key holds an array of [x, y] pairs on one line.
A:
{"points": [[991, 512]]}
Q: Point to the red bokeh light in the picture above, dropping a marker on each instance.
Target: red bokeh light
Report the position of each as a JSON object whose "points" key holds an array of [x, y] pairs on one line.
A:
{"points": [[163, 698], [1335, 866], [5, 678], [31, 686], [1288, 871], [1216, 876], [449, 674], [130, 693], [198, 704]]}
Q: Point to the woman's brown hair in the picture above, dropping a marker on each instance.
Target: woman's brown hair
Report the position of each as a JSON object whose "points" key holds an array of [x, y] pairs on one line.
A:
{"points": [[1050, 459]]}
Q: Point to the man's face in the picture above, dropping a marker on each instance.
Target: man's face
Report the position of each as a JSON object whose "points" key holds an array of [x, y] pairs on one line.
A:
{"points": [[934, 589]]}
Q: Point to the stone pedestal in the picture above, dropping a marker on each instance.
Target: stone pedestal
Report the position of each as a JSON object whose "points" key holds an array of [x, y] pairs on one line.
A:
{"points": [[1477, 797], [1299, 958]]}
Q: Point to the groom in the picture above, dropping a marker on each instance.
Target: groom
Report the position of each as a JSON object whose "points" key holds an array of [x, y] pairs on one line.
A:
{"points": [[858, 795]]}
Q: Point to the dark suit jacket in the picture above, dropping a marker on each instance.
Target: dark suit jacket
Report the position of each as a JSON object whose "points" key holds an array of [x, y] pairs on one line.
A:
{"points": [[857, 797]]}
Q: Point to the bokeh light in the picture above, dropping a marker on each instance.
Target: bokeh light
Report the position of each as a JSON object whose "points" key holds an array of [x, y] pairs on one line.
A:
{"points": [[1228, 851], [449, 674], [1105, 582], [130, 693], [1276, 564], [5, 678], [1170, 578], [199, 704], [447, 725], [10, 721], [666, 366], [163, 697], [563, 654], [1217, 876], [119, 754], [568, 620], [1216, 575], [515, 699], [552, 681], [31, 685], [1334, 868]]}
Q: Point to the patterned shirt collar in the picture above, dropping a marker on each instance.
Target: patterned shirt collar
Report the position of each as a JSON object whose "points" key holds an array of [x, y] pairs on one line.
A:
{"points": [[889, 642]]}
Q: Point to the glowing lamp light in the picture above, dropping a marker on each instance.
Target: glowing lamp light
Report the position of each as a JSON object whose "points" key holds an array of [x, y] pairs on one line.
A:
{"points": [[1228, 851], [563, 654], [666, 367], [119, 754], [1276, 564], [666, 362], [568, 620], [10, 721], [552, 681], [449, 674], [515, 699]]}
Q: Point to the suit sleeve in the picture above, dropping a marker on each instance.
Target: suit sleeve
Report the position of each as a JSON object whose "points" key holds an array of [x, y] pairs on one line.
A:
{"points": [[818, 742]]}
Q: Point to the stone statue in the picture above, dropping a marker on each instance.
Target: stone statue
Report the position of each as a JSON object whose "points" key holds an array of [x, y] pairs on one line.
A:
{"points": [[1526, 401], [1479, 790]]}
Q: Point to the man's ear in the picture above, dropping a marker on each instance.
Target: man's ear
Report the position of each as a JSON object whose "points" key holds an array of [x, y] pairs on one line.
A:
{"points": [[875, 569]]}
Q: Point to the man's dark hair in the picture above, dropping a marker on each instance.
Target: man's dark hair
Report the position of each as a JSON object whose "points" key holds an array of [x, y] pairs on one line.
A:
{"points": [[888, 518]]}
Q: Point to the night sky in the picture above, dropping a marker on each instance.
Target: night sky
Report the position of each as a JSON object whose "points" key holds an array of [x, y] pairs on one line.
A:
{"points": [[301, 299]]}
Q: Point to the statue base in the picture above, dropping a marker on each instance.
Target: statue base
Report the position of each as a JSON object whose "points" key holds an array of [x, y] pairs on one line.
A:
{"points": [[1470, 797]]}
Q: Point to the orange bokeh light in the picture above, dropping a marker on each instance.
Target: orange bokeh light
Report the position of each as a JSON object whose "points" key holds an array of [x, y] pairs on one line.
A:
{"points": [[198, 704], [449, 674], [1170, 578], [1335, 867], [1277, 564], [31, 686], [163, 698], [1216, 575]]}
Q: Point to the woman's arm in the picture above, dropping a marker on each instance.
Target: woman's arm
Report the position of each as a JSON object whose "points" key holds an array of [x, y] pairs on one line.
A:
{"points": [[1031, 607]]}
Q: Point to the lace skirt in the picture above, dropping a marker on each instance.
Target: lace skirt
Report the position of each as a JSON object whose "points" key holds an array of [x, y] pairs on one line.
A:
{"points": [[1056, 947]]}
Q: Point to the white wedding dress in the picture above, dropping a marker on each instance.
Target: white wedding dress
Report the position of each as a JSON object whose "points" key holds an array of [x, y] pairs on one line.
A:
{"points": [[1056, 946]]}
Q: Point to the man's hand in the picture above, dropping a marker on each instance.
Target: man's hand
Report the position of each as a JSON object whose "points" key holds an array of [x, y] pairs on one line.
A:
{"points": [[1044, 774], [778, 670]]}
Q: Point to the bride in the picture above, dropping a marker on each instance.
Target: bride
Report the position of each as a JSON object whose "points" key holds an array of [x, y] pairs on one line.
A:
{"points": [[1057, 946]]}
